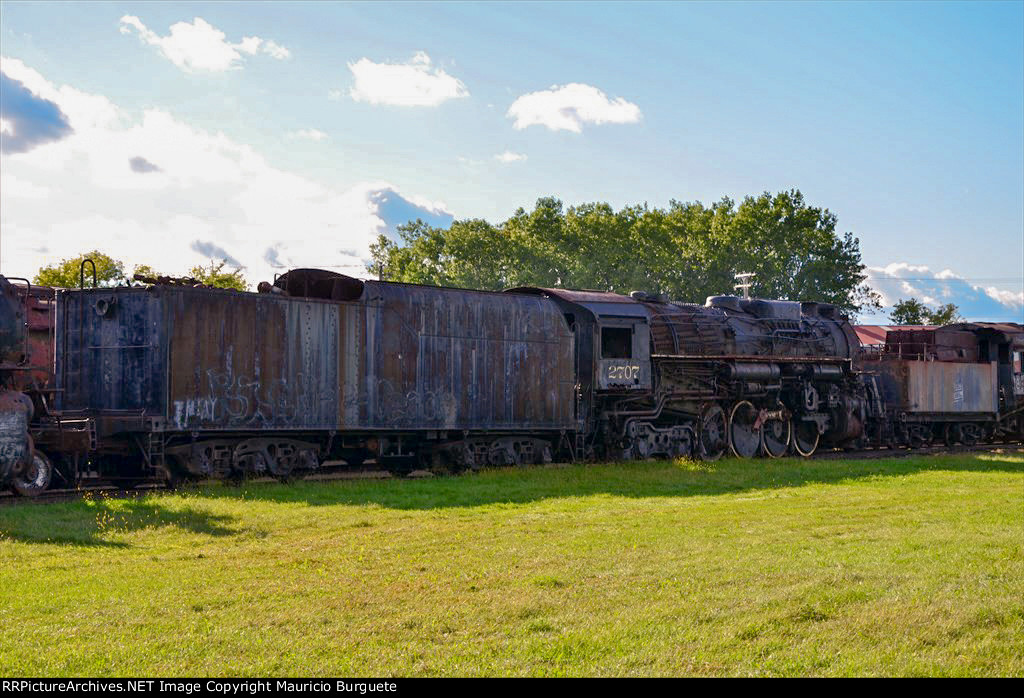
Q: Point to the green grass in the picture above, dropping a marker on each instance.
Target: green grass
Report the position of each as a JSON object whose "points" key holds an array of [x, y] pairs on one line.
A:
{"points": [[904, 566]]}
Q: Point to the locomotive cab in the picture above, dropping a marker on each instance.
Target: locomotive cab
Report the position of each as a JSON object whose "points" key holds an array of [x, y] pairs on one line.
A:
{"points": [[625, 353]]}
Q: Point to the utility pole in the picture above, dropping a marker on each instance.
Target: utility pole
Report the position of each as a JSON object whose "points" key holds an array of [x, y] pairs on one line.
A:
{"points": [[746, 280]]}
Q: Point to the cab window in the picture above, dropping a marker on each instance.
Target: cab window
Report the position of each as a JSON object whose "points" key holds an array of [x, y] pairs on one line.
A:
{"points": [[616, 343]]}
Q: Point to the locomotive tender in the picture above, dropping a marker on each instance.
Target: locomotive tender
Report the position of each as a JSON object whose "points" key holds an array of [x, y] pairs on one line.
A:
{"points": [[173, 381]]}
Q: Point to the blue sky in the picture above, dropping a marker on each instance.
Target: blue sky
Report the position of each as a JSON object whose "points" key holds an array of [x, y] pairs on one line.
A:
{"points": [[332, 122]]}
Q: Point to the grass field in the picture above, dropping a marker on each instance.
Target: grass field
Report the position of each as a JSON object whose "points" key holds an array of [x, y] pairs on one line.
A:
{"points": [[902, 566]]}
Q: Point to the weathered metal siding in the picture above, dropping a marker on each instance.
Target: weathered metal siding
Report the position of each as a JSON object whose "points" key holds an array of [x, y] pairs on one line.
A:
{"points": [[12, 325], [115, 360], [940, 387], [15, 444], [936, 386], [242, 361], [450, 359], [401, 357]]}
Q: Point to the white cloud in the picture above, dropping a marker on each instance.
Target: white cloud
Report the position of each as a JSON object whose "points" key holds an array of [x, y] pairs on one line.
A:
{"points": [[309, 134], [206, 193], [508, 157], [412, 84], [199, 46], [17, 188], [569, 107], [335, 95], [901, 280], [1011, 299], [275, 50]]}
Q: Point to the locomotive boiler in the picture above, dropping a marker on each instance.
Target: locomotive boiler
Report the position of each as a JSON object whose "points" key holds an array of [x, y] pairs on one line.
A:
{"points": [[674, 379]]}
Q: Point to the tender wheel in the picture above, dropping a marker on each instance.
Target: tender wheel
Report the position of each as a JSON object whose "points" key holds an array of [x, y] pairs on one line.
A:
{"points": [[175, 472], [953, 434], [714, 433], [917, 437], [775, 437], [805, 437], [744, 432], [281, 468], [969, 434], [34, 480]]}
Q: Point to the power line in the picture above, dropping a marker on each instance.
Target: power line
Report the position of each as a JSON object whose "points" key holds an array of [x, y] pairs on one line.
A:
{"points": [[951, 278]]}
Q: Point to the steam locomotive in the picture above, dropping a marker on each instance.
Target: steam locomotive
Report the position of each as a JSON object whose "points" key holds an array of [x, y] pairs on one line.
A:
{"points": [[171, 382]]}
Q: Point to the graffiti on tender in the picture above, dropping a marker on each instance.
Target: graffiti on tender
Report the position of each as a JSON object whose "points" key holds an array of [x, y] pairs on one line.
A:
{"points": [[15, 444], [396, 408], [239, 401], [958, 391]]}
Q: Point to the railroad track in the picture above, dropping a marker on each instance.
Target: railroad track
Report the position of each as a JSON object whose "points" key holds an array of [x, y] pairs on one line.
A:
{"points": [[112, 491], [868, 453]]}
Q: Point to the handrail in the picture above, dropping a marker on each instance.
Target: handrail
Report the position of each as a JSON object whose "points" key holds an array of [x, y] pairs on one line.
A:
{"points": [[81, 273]]}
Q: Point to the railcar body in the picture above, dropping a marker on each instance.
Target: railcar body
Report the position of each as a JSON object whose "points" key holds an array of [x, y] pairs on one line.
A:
{"points": [[960, 383], [216, 382]]}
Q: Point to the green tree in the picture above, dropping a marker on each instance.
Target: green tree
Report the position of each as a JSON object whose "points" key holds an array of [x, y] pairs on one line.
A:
{"points": [[110, 272], [68, 272], [914, 312], [145, 270], [215, 275], [947, 314], [687, 251], [796, 253]]}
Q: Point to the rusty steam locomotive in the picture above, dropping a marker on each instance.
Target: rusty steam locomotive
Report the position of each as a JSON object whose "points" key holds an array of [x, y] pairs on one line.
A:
{"points": [[318, 369]]}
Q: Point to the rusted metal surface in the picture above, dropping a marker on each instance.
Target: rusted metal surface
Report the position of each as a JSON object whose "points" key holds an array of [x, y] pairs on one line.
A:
{"points": [[932, 343], [750, 328], [445, 358], [939, 386], [1010, 329], [580, 297], [727, 325], [26, 333], [13, 347], [874, 335], [399, 357], [15, 443], [1009, 333], [316, 283], [249, 361], [111, 351]]}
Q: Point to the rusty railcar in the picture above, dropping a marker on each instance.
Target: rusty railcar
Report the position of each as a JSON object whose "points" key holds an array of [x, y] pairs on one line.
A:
{"points": [[318, 366], [29, 435], [959, 383]]}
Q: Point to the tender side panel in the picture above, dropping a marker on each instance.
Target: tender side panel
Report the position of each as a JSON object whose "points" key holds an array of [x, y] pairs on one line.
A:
{"points": [[936, 386], [111, 352], [448, 359], [248, 362]]}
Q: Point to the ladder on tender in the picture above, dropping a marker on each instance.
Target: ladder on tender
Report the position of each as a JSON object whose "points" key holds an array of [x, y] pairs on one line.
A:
{"points": [[155, 448]]}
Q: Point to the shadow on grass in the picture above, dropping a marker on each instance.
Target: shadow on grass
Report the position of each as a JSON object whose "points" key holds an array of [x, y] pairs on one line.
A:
{"points": [[91, 522], [642, 479]]}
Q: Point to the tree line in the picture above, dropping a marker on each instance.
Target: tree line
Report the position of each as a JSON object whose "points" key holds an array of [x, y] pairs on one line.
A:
{"points": [[68, 273], [686, 251]]}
